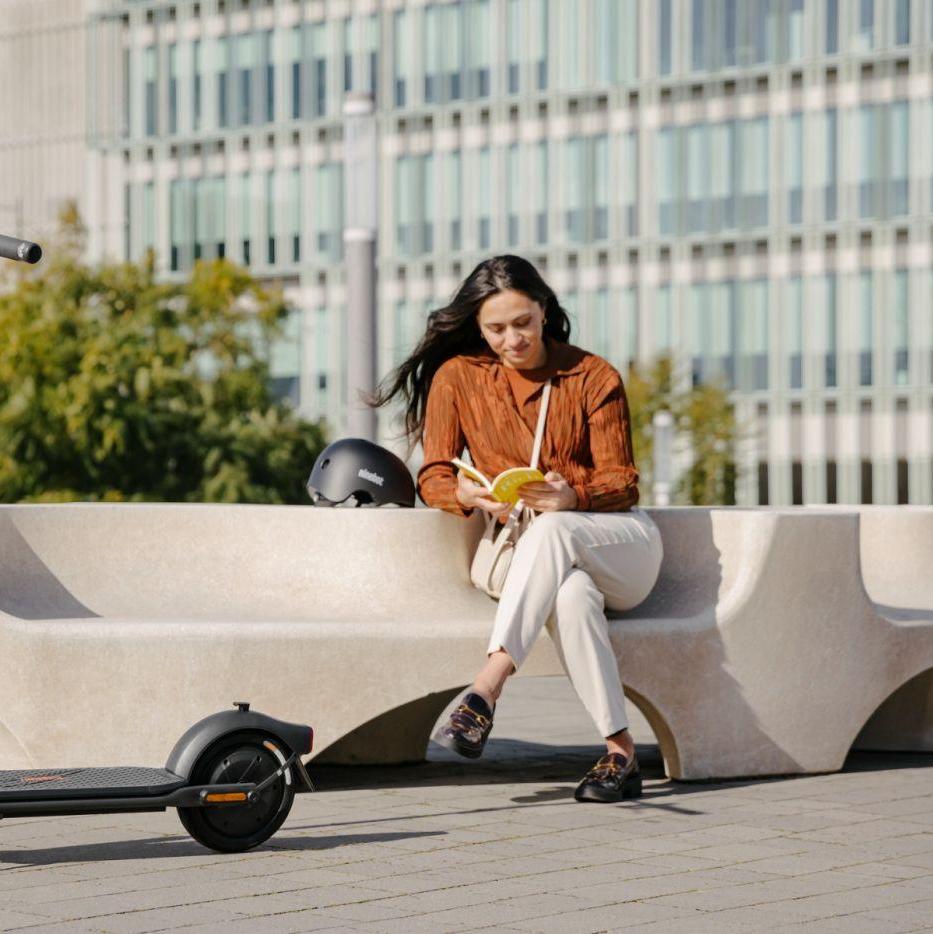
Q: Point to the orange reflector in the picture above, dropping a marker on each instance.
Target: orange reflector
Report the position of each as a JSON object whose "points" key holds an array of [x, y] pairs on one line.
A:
{"points": [[228, 796], [270, 746]]}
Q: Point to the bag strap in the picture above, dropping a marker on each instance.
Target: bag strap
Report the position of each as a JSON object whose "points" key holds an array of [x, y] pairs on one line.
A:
{"points": [[539, 431], [516, 512]]}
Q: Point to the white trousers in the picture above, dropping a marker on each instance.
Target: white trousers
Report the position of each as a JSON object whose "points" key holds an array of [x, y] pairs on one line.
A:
{"points": [[568, 567]]}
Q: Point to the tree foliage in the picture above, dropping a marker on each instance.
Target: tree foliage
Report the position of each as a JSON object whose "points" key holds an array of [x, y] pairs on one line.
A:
{"points": [[704, 420], [115, 386]]}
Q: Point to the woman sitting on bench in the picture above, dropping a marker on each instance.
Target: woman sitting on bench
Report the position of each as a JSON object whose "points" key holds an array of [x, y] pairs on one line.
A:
{"points": [[475, 380]]}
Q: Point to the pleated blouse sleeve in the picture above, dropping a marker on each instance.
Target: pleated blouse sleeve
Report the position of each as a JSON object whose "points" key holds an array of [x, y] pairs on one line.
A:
{"points": [[612, 485], [442, 439]]}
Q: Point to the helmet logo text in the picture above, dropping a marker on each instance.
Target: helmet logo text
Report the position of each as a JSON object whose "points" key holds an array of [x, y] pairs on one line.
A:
{"points": [[370, 476]]}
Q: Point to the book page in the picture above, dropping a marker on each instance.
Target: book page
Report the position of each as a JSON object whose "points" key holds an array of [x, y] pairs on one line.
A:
{"points": [[507, 486]]}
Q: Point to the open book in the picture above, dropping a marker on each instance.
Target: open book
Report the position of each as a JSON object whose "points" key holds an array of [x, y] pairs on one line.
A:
{"points": [[505, 487]]}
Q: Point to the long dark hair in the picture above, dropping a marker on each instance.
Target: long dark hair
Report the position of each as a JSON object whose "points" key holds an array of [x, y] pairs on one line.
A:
{"points": [[454, 330]]}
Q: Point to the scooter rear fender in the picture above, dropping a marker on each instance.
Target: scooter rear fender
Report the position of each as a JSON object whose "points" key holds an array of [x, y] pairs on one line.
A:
{"points": [[297, 737]]}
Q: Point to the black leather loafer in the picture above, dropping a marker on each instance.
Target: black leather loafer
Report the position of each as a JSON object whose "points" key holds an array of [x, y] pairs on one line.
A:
{"points": [[468, 727], [612, 778]]}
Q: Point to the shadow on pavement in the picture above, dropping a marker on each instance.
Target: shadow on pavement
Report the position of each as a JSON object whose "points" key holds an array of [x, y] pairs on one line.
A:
{"points": [[513, 761], [177, 846]]}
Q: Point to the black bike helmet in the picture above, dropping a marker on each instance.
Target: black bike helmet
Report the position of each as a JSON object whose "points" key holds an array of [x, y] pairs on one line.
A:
{"points": [[358, 468]]}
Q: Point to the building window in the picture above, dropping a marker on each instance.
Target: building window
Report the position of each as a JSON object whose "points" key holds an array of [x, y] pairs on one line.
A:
{"points": [[830, 174], [223, 65], [712, 333], [729, 32], [901, 328], [667, 180], [271, 218], [173, 88], [868, 168], [539, 50], [127, 92], [795, 31], [148, 219], [285, 359], [752, 327], [793, 162], [268, 77], [829, 445], [665, 38], [899, 147], [831, 44], [152, 90], [722, 176], [865, 446], [628, 183], [698, 45], [414, 204], [328, 211], [371, 50], [826, 311], [586, 212], [180, 224], [793, 333], [864, 38], [753, 172], [453, 187], [902, 22], [698, 177], [484, 199], [197, 61], [245, 63], [599, 338], [569, 38], [513, 194], [319, 68], [478, 48], [347, 38], [663, 322], [630, 331], [402, 57], [245, 217], [515, 44], [297, 71], [542, 191], [866, 329], [294, 208]]}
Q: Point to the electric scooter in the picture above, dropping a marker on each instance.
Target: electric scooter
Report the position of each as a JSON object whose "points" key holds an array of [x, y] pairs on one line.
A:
{"points": [[232, 776]]}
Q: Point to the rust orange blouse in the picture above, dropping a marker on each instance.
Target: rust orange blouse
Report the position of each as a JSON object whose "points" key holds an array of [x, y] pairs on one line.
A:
{"points": [[478, 403]]}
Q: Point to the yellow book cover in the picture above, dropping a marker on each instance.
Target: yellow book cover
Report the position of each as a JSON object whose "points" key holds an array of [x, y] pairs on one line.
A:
{"points": [[505, 487]]}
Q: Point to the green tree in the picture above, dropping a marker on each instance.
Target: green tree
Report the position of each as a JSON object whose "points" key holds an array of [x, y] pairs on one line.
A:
{"points": [[703, 415], [115, 386]]}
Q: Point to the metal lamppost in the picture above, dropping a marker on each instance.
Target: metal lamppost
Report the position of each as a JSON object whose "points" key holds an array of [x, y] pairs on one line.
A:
{"points": [[359, 242]]}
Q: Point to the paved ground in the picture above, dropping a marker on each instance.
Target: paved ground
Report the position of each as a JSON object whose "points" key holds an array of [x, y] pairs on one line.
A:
{"points": [[501, 844]]}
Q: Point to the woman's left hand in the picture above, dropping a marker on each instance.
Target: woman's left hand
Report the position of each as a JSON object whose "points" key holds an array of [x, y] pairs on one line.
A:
{"points": [[554, 495]]}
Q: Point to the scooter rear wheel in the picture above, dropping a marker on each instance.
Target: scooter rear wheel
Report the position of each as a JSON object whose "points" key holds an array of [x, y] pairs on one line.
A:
{"points": [[246, 756]]}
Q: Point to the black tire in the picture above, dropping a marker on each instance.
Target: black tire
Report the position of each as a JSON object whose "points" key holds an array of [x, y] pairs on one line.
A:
{"points": [[243, 756]]}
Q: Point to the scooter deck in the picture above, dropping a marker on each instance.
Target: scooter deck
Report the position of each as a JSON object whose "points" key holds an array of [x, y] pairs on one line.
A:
{"points": [[112, 782]]}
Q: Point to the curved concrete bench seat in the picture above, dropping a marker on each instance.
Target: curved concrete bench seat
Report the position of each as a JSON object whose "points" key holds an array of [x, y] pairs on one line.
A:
{"points": [[896, 544], [758, 652]]}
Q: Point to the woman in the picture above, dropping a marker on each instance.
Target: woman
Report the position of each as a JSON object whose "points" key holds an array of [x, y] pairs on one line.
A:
{"points": [[475, 381]]}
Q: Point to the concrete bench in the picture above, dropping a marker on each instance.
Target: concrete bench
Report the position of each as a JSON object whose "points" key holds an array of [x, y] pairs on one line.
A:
{"points": [[759, 651]]}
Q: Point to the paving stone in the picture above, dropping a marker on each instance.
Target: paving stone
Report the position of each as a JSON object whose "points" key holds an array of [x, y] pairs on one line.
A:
{"points": [[500, 845]]}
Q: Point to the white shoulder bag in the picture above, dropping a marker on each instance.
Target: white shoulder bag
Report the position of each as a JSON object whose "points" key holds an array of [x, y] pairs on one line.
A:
{"points": [[493, 556]]}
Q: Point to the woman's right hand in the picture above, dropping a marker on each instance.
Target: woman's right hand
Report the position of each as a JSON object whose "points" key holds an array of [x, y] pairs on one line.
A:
{"points": [[473, 495]]}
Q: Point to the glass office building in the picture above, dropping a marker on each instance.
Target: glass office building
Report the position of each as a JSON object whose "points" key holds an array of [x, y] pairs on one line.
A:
{"points": [[744, 184]]}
